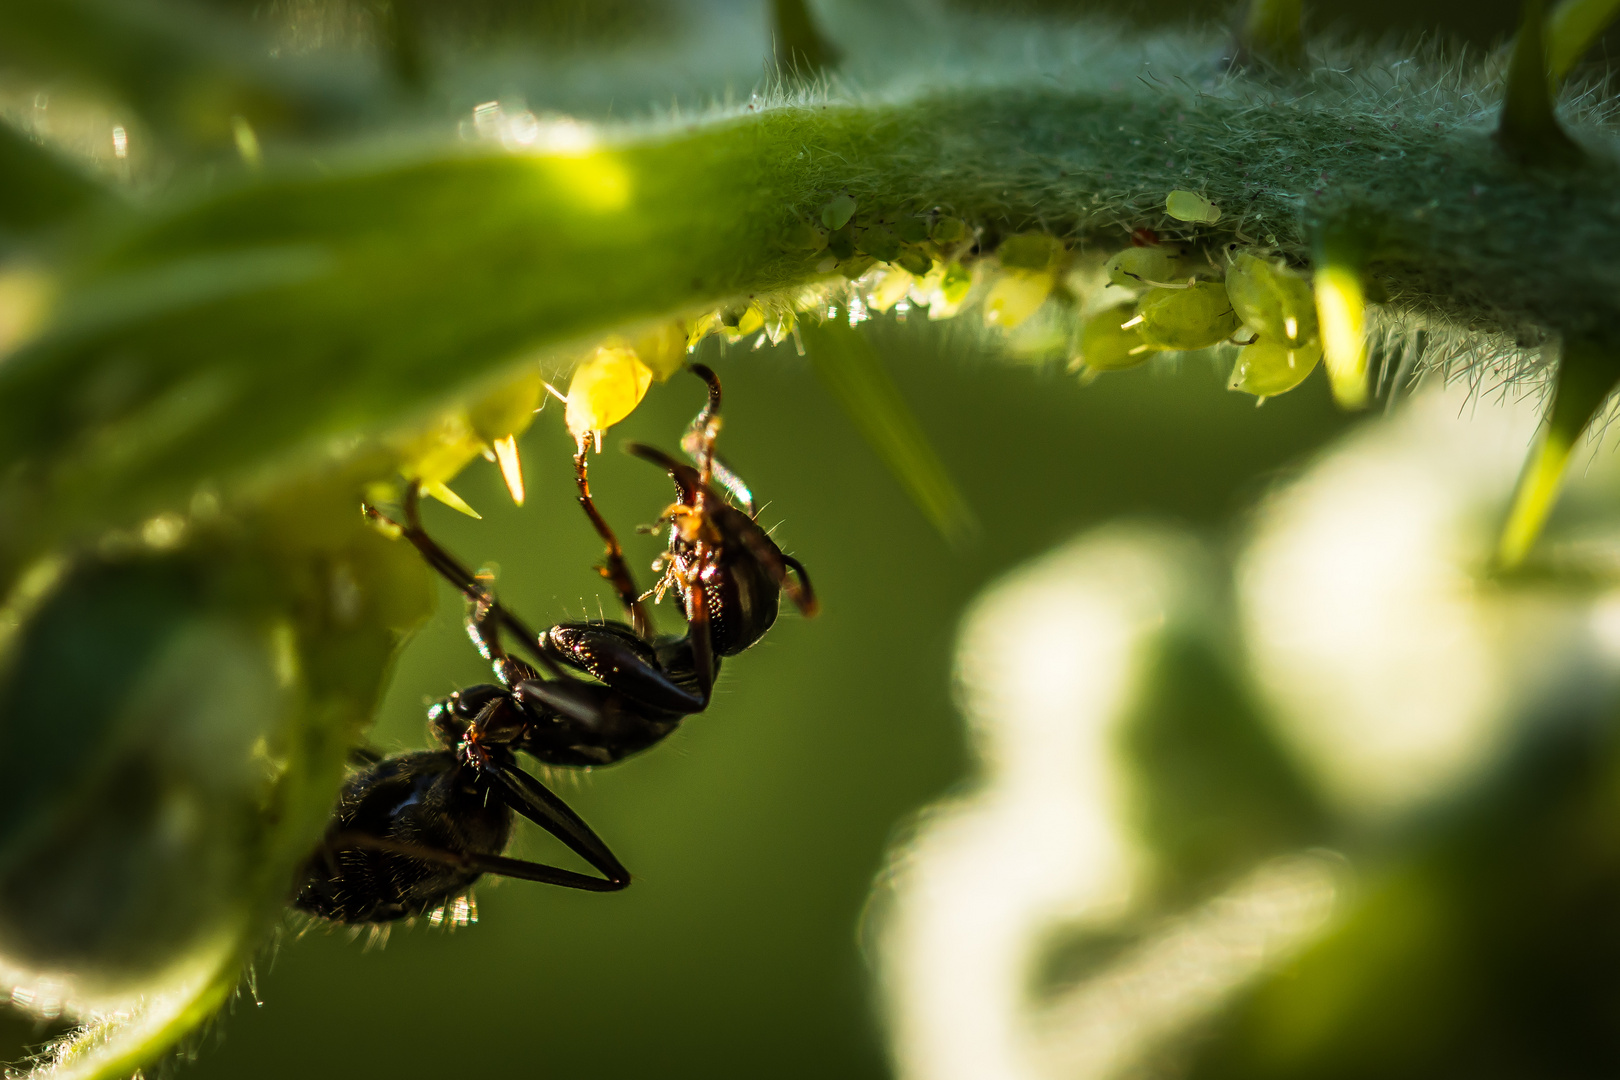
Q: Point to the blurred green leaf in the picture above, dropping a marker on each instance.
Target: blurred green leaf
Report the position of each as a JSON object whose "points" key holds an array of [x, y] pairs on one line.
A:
{"points": [[42, 189], [184, 68], [196, 691], [852, 371]]}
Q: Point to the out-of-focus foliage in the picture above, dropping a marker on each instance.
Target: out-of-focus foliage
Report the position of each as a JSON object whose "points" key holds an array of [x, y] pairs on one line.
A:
{"points": [[1344, 808]]}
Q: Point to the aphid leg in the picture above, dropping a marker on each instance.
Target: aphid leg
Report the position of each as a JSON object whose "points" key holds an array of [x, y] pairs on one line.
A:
{"points": [[490, 611], [531, 798], [613, 567]]}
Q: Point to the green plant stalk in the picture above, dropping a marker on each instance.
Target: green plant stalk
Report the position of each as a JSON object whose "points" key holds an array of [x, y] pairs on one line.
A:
{"points": [[851, 369], [290, 317]]}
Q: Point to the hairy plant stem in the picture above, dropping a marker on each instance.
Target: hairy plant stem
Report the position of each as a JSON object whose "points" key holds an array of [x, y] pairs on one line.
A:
{"points": [[246, 327]]}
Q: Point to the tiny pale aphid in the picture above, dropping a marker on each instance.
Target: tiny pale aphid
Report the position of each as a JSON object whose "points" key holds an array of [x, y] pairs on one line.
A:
{"points": [[945, 288], [605, 389], [1191, 206], [1138, 266], [1015, 297], [1192, 318], [1272, 300], [1030, 251], [1270, 367], [948, 230], [1106, 344], [836, 214]]}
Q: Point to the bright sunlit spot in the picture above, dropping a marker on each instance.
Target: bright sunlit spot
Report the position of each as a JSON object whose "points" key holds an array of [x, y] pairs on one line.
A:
{"points": [[569, 149]]}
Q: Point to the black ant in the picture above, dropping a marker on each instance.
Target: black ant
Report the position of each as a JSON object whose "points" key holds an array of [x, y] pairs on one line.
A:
{"points": [[415, 830]]}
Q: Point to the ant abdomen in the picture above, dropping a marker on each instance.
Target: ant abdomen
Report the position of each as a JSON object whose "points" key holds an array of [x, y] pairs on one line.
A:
{"points": [[365, 872]]}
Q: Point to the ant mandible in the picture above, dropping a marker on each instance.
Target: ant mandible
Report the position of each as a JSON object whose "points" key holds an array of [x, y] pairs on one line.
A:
{"points": [[415, 830]]}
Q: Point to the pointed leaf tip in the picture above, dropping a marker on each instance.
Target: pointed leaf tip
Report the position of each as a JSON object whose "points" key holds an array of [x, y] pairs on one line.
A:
{"points": [[1529, 129], [1572, 28], [1587, 374], [1341, 312]]}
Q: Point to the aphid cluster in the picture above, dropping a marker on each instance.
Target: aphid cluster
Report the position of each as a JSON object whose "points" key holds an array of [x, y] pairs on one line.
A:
{"points": [[413, 831], [1156, 296]]}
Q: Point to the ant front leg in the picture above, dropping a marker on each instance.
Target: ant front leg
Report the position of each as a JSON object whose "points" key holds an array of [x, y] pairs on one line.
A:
{"points": [[613, 567], [487, 611], [626, 663]]}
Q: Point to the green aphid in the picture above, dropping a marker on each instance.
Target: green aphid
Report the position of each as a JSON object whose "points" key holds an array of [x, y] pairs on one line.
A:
{"points": [[1272, 300], [948, 230], [836, 214], [1030, 251], [841, 243], [1194, 317], [1191, 206], [1157, 264], [913, 230], [857, 266], [956, 283], [880, 243], [1271, 366], [804, 237], [1107, 344], [914, 262]]}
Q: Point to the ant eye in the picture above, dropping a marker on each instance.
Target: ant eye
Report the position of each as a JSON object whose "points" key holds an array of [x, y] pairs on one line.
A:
{"points": [[1192, 318], [1191, 206], [1270, 367], [1272, 300], [1106, 344], [1138, 266]]}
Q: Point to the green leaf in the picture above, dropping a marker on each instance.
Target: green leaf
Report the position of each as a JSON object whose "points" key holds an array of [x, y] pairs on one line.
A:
{"points": [[196, 690], [853, 373]]}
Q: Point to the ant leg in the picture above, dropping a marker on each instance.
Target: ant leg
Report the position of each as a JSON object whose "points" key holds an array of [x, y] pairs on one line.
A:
{"points": [[612, 654], [614, 568], [478, 862], [697, 632], [698, 442], [765, 551], [805, 595], [705, 427], [689, 486], [531, 798], [465, 581]]}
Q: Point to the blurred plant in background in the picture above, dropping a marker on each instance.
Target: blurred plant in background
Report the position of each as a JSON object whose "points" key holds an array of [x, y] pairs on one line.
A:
{"points": [[1251, 819], [1284, 812]]}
